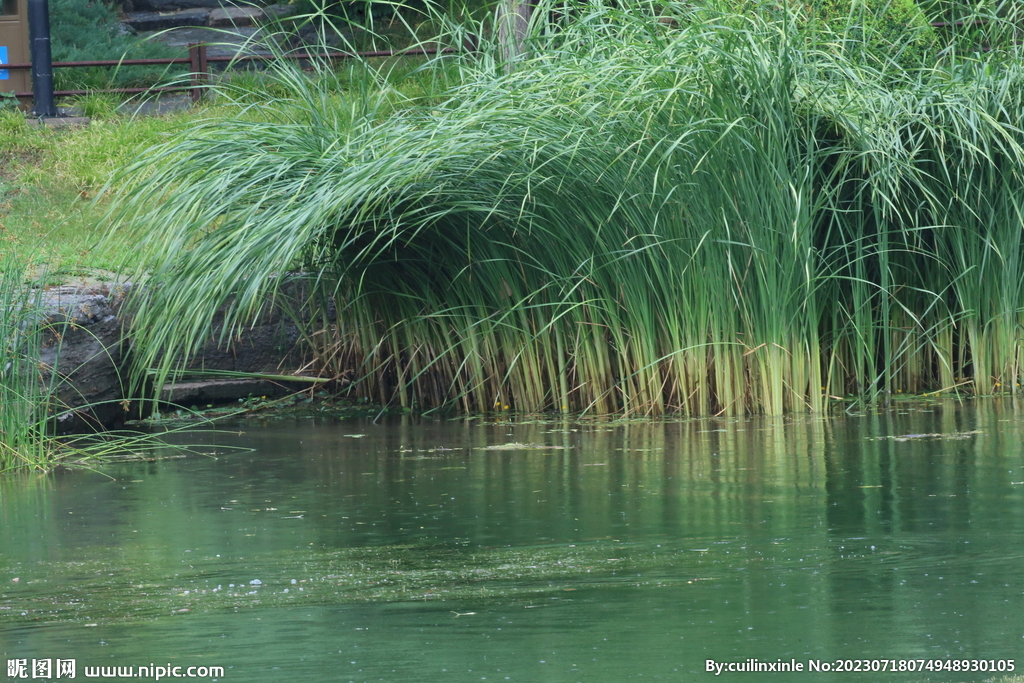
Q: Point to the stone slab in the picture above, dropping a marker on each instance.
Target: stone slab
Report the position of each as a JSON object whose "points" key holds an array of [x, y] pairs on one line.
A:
{"points": [[173, 5], [223, 390], [157, 21], [235, 16], [58, 121]]}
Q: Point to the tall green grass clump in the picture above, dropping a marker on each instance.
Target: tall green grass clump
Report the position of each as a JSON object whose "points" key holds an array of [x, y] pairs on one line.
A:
{"points": [[652, 209], [31, 390], [23, 393]]}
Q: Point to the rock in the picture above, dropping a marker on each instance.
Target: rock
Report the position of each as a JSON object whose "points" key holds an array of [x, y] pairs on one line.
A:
{"points": [[84, 342], [58, 121], [201, 392], [279, 11], [235, 16], [161, 105], [157, 21], [173, 5]]}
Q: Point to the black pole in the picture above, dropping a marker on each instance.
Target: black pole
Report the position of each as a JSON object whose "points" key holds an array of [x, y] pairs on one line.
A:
{"points": [[42, 59]]}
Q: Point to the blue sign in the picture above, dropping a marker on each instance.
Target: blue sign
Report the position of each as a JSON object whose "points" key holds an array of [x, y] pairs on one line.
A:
{"points": [[3, 60]]}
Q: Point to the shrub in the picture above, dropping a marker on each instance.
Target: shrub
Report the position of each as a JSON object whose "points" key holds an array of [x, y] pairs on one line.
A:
{"points": [[884, 31], [84, 30]]}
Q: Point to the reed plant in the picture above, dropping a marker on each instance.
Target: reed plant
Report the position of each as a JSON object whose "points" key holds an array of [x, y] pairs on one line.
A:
{"points": [[652, 209], [30, 389], [22, 390]]}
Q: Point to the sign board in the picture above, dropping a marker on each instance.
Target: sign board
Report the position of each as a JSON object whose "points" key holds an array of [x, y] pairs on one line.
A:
{"points": [[14, 46]]}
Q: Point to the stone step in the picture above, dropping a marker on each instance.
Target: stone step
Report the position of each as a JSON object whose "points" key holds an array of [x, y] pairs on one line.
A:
{"points": [[158, 21], [217, 17], [236, 16]]}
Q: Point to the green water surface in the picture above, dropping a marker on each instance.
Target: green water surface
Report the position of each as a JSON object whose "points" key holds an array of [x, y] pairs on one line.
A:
{"points": [[425, 550]]}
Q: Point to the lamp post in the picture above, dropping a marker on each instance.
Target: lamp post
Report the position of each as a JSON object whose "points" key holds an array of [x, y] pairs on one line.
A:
{"points": [[42, 58]]}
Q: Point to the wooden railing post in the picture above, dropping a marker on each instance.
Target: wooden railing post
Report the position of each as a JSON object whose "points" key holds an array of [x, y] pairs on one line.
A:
{"points": [[199, 69]]}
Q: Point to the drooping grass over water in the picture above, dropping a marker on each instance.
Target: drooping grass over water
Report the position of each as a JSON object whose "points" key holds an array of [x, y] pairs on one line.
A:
{"points": [[722, 215]]}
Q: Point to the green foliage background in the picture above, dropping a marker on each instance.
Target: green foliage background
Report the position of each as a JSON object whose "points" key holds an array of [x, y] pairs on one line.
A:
{"points": [[82, 30], [885, 29]]}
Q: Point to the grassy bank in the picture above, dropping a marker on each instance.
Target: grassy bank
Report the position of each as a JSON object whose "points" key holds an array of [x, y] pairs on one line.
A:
{"points": [[51, 204], [54, 215], [707, 213], [48, 182]]}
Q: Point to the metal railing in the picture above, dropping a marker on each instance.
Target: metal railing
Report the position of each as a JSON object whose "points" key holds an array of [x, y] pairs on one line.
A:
{"points": [[199, 67], [199, 64]]}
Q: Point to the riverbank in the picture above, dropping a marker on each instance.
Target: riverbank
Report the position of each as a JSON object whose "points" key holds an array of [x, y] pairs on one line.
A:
{"points": [[56, 186], [493, 245], [619, 225]]}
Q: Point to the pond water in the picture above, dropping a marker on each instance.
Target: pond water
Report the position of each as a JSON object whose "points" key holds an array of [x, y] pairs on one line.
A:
{"points": [[413, 549]]}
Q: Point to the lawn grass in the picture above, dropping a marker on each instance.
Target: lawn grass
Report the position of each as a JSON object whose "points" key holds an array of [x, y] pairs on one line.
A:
{"points": [[52, 204], [49, 178]]}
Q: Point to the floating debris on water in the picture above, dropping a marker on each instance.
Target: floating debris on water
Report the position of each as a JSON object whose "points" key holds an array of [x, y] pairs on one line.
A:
{"points": [[947, 436], [520, 447]]}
